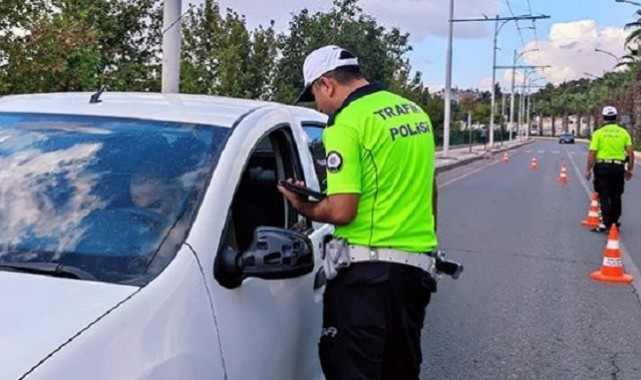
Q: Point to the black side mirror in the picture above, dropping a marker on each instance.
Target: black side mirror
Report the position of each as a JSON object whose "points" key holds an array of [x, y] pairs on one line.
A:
{"points": [[275, 253]]}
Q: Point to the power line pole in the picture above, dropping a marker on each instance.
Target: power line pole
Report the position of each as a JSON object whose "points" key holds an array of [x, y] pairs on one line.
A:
{"points": [[499, 22], [515, 57], [512, 91]]}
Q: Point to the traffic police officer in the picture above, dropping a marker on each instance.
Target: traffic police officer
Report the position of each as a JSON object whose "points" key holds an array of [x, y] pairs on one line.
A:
{"points": [[382, 199], [607, 157]]}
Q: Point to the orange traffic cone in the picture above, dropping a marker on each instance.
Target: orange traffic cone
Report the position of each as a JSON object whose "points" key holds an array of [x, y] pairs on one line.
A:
{"points": [[563, 177], [612, 268], [593, 219], [534, 165], [506, 158]]}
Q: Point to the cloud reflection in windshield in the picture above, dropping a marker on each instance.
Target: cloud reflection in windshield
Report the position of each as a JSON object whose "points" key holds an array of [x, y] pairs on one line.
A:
{"points": [[30, 181]]}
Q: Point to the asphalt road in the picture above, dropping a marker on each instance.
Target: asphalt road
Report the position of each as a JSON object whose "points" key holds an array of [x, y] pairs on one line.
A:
{"points": [[525, 307]]}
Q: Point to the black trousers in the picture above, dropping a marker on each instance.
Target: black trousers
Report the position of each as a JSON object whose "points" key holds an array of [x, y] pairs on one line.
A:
{"points": [[372, 319], [609, 181]]}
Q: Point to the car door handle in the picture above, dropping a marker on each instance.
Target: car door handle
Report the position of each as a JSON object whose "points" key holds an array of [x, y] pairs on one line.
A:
{"points": [[320, 280]]}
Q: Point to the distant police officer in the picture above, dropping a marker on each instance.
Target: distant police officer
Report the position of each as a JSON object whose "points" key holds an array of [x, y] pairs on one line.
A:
{"points": [[607, 157], [382, 199]]}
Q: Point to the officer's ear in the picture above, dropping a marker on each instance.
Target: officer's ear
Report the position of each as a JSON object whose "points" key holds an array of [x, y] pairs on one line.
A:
{"points": [[327, 85]]}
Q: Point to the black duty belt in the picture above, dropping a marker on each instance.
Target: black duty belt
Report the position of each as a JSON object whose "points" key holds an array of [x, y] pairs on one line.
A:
{"points": [[618, 162]]}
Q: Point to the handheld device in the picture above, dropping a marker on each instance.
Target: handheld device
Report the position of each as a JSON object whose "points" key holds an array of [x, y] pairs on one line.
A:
{"points": [[448, 267], [300, 190]]}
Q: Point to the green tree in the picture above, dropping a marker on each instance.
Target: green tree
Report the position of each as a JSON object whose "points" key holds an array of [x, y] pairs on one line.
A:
{"points": [[234, 57], [264, 52], [64, 45], [56, 54], [202, 41], [221, 56], [21, 14], [381, 52]]}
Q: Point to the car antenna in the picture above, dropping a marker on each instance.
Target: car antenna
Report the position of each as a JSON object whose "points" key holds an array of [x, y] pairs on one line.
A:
{"points": [[95, 98]]}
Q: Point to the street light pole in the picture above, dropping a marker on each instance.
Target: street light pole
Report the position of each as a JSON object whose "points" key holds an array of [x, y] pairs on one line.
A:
{"points": [[522, 103], [497, 29], [527, 111], [515, 58], [448, 84], [502, 116], [493, 102], [512, 97], [171, 46], [529, 99]]}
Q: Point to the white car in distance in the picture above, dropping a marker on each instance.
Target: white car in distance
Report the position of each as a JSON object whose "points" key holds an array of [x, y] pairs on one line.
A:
{"points": [[142, 236]]}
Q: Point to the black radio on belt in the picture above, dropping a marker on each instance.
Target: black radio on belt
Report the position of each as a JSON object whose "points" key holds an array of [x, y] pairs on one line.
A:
{"points": [[448, 267]]}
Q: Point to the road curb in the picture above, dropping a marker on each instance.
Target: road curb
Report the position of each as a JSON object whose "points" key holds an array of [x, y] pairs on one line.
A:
{"points": [[457, 163]]}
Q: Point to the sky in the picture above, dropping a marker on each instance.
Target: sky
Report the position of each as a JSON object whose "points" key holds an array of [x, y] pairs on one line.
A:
{"points": [[565, 41]]}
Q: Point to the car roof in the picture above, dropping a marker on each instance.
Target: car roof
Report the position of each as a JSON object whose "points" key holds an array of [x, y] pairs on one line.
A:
{"points": [[199, 109]]}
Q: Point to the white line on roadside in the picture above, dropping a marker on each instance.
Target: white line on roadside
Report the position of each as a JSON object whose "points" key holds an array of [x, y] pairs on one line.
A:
{"points": [[540, 151], [629, 265], [447, 183]]}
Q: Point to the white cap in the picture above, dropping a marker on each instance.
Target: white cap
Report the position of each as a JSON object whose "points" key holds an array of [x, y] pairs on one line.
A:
{"points": [[609, 111], [322, 61]]}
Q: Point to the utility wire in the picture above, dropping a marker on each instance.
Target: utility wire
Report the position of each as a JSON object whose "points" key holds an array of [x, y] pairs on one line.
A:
{"points": [[478, 8], [536, 32], [536, 35], [191, 6], [518, 28]]}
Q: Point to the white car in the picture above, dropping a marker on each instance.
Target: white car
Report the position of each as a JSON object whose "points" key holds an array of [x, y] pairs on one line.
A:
{"points": [[142, 236]]}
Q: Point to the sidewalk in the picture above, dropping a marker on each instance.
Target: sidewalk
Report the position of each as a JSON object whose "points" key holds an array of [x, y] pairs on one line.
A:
{"points": [[460, 156]]}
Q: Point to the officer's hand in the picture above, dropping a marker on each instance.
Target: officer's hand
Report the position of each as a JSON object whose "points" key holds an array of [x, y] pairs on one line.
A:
{"points": [[628, 175], [588, 175], [292, 197]]}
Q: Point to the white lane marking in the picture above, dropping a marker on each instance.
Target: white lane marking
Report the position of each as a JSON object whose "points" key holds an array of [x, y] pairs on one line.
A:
{"points": [[630, 267], [447, 183], [528, 151], [555, 152], [540, 151]]}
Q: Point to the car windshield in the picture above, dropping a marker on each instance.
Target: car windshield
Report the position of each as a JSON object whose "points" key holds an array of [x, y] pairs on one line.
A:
{"points": [[111, 197]]}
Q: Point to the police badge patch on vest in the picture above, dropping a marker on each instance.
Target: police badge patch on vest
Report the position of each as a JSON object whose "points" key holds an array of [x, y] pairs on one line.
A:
{"points": [[334, 162]]}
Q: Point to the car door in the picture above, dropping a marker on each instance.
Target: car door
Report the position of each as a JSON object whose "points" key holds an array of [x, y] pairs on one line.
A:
{"points": [[268, 329]]}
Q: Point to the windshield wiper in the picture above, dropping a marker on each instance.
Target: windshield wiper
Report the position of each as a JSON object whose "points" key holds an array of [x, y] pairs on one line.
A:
{"points": [[49, 269]]}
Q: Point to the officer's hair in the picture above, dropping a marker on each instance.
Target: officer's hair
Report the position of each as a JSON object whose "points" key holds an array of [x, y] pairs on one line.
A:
{"points": [[345, 74], [610, 117]]}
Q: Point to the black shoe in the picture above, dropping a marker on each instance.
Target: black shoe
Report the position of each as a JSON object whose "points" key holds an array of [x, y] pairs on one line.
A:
{"points": [[600, 229]]}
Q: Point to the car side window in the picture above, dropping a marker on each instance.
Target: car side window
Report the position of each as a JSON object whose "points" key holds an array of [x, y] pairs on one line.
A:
{"points": [[257, 201], [315, 144]]}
